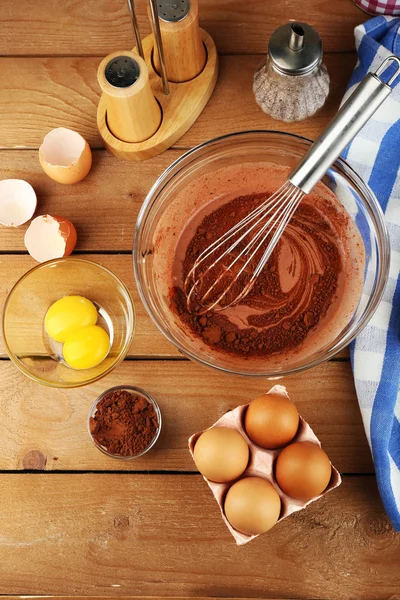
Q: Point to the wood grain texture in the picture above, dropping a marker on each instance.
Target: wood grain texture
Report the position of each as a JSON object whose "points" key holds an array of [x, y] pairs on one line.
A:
{"points": [[39, 94], [103, 207], [147, 340], [39, 424], [98, 27], [105, 535], [113, 535]]}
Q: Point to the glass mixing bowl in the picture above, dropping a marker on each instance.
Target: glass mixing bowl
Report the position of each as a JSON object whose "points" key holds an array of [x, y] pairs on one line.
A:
{"points": [[239, 148], [25, 338]]}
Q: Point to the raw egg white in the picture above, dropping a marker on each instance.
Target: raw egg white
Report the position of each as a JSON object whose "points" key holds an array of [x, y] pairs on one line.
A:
{"points": [[65, 156], [17, 202], [271, 420], [49, 237], [221, 454], [303, 470], [68, 314], [252, 505]]}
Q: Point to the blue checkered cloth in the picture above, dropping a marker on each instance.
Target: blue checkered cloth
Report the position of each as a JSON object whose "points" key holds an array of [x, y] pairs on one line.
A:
{"points": [[375, 354]]}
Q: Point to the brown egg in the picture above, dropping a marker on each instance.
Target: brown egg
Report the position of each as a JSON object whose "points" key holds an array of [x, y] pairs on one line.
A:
{"points": [[252, 505], [271, 420], [221, 454], [303, 470]]}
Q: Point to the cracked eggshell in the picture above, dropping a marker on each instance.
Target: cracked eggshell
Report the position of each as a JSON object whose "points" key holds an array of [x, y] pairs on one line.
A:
{"points": [[49, 237], [17, 202], [65, 156]]}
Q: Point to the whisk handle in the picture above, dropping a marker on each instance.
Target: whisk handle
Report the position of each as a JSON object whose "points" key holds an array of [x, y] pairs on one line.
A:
{"points": [[351, 117]]}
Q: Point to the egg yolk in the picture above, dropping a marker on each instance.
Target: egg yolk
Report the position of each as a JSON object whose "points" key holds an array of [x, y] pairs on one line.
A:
{"points": [[86, 347], [67, 315]]}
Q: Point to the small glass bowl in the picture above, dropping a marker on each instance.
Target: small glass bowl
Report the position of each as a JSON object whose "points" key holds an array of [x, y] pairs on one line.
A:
{"points": [[27, 343], [138, 392]]}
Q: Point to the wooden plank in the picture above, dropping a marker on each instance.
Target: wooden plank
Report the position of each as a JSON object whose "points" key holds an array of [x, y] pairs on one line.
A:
{"points": [[100, 27], [131, 598], [46, 428], [103, 207], [41, 93], [108, 535], [147, 341]]}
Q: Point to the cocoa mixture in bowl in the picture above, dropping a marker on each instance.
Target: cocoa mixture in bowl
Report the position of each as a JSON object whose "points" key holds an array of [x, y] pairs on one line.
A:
{"points": [[308, 290], [292, 294]]}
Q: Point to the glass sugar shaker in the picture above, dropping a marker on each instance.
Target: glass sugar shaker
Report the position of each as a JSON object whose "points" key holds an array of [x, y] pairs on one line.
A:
{"points": [[292, 83]]}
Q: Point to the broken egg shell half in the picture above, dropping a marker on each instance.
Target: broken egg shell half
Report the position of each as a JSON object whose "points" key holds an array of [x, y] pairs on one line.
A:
{"points": [[49, 237], [17, 202], [65, 156]]}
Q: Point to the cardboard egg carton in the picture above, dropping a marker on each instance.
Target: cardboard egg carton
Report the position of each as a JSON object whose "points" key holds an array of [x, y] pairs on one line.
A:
{"points": [[261, 464]]}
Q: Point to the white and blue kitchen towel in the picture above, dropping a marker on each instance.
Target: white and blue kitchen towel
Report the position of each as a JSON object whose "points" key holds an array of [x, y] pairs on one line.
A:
{"points": [[375, 155]]}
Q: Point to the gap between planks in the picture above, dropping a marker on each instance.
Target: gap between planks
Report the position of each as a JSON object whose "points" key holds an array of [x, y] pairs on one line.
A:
{"points": [[6, 597], [160, 472], [64, 91], [164, 536], [45, 428], [101, 56], [147, 341], [101, 27]]}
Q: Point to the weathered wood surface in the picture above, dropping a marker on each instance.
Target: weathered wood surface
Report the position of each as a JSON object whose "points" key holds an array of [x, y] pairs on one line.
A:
{"points": [[103, 207], [43, 428], [98, 27], [114, 535], [129, 598], [99, 535], [147, 341], [38, 94]]}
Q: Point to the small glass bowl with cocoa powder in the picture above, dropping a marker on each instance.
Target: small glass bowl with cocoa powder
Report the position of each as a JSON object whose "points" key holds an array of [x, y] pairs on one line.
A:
{"points": [[124, 422]]}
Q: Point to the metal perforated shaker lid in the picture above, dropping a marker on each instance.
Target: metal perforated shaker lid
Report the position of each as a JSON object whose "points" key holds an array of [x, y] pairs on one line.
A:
{"points": [[173, 11], [122, 71], [295, 49]]}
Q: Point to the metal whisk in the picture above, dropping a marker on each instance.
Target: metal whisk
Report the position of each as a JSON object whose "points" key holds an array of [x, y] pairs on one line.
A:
{"points": [[225, 272]]}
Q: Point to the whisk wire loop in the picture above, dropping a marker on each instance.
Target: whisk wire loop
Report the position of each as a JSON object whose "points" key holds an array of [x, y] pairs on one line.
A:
{"points": [[246, 250], [269, 218], [271, 202], [280, 220]]}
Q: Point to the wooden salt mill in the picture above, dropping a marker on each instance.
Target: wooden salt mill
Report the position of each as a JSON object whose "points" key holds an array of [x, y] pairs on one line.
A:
{"points": [[153, 95], [184, 51]]}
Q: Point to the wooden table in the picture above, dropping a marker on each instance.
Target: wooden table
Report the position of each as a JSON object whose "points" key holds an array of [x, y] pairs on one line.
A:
{"points": [[75, 523]]}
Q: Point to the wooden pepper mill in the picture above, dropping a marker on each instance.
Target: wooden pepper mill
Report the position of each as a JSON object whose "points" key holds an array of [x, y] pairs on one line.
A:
{"points": [[184, 51], [152, 95], [133, 113]]}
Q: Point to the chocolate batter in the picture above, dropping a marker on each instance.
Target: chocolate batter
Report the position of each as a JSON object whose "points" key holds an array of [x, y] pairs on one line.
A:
{"points": [[302, 301], [292, 294]]}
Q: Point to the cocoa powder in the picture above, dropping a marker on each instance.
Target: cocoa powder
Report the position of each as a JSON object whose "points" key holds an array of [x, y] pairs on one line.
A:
{"points": [[281, 319], [124, 423]]}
